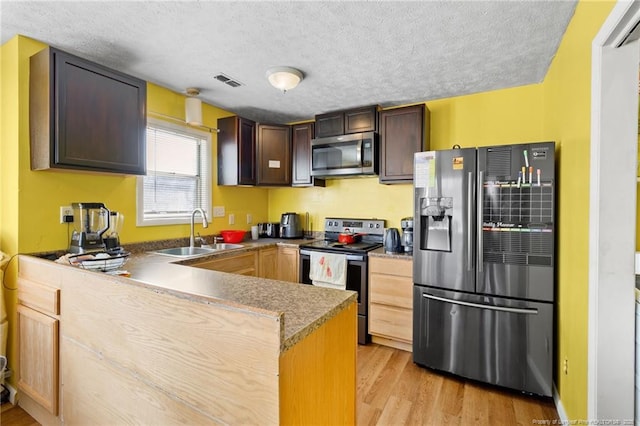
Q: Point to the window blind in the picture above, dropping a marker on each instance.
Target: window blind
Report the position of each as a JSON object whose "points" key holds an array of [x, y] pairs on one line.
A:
{"points": [[178, 176]]}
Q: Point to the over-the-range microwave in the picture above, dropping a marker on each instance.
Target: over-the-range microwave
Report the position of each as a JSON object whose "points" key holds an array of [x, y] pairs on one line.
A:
{"points": [[344, 156]]}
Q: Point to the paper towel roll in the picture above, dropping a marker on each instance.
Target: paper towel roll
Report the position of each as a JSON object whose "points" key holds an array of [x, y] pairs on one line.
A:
{"points": [[638, 263]]}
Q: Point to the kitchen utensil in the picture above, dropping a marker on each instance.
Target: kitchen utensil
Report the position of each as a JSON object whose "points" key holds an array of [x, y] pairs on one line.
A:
{"points": [[406, 224], [111, 236], [90, 221], [349, 237], [290, 225], [232, 236], [391, 240], [99, 261]]}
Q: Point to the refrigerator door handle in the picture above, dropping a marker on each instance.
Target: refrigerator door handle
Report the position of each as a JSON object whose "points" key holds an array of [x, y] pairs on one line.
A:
{"points": [[481, 306], [469, 221], [480, 201]]}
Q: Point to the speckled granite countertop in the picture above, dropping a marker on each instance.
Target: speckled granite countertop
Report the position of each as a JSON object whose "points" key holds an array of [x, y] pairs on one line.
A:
{"points": [[305, 307], [379, 252]]}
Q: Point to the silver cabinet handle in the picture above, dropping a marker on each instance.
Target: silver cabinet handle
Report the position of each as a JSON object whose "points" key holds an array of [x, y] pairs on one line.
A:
{"points": [[469, 221], [532, 311], [480, 201]]}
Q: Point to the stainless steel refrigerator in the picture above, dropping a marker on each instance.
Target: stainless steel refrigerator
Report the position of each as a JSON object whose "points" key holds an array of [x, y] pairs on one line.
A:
{"points": [[484, 264]]}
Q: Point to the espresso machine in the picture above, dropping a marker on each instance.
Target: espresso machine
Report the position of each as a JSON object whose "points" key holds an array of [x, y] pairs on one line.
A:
{"points": [[407, 234], [90, 221]]}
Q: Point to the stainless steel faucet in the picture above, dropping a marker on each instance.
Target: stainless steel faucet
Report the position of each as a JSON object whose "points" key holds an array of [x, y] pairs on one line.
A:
{"points": [[205, 224]]}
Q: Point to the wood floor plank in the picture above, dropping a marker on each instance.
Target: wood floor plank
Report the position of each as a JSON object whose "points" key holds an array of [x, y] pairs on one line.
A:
{"points": [[401, 393]]}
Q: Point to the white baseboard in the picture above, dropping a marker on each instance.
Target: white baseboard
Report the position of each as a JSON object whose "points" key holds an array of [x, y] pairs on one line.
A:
{"points": [[12, 393], [561, 413]]}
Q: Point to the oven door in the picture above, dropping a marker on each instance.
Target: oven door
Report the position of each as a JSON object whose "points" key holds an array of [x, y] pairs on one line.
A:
{"points": [[356, 281]]}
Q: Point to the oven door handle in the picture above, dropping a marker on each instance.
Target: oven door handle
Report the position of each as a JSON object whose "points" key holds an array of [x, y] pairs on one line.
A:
{"points": [[353, 257]]}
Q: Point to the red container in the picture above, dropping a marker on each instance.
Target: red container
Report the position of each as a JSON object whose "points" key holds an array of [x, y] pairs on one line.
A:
{"points": [[232, 236]]}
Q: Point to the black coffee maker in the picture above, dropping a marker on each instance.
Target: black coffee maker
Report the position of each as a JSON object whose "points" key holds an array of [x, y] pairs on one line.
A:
{"points": [[406, 224]]}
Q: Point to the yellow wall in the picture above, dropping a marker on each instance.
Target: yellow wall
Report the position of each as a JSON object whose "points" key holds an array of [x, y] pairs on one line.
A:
{"points": [[567, 88], [491, 118], [29, 217]]}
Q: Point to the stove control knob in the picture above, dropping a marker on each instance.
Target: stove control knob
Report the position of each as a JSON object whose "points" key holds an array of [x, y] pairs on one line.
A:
{"points": [[371, 225], [329, 223], [377, 225]]}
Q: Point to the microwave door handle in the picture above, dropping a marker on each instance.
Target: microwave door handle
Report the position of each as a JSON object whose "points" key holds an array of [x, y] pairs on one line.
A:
{"points": [[359, 153]]}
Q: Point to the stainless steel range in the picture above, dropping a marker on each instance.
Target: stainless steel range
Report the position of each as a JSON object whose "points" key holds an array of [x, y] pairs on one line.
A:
{"points": [[368, 235]]}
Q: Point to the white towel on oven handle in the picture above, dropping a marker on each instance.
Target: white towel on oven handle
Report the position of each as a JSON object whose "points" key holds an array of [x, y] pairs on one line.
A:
{"points": [[328, 270]]}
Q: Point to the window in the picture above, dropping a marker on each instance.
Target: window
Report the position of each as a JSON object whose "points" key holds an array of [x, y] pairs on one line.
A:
{"points": [[178, 177]]}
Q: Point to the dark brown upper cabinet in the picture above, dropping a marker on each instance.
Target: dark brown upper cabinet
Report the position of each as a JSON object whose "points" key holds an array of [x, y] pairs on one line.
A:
{"points": [[236, 151], [403, 132], [301, 135], [85, 116], [344, 122], [274, 155]]}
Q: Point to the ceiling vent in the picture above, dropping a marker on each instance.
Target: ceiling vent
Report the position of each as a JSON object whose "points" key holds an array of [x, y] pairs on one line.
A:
{"points": [[227, 80]]}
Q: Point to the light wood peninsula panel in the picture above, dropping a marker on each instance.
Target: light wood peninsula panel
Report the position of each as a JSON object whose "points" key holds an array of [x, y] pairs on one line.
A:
{"points": [[136, 353]]}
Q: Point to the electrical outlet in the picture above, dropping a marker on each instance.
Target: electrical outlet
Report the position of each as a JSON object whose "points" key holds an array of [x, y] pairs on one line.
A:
{"points": [[249, 218], [565, 366], [65, 211], [218, 211], [232, 219]]}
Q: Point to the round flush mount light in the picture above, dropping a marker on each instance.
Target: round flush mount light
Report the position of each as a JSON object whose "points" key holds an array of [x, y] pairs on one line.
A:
{"points": [[284, 78]]}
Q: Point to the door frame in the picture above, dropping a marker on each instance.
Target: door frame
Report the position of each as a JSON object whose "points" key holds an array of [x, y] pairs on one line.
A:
{"points": [[612, 217]]}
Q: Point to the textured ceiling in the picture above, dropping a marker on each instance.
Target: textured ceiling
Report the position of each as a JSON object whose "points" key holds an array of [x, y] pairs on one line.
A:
{"points": [[352, 53]]}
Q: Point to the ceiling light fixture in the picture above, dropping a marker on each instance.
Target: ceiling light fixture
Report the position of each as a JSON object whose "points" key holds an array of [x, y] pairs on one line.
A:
{"points": [[193, 107], [284, 78]]}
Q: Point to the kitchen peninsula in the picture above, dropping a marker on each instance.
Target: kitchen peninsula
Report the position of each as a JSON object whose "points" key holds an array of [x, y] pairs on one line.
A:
{"points": [[174, 344]]}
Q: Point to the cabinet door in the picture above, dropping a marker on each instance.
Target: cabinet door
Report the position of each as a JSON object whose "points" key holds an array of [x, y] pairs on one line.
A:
{"points": [[236, 151], [361, 120], [246, 152], [301, 135], [94, 117], [38, 349], [274, 155], [330, 124], [288, 264], [268, 263], [402, 133]]}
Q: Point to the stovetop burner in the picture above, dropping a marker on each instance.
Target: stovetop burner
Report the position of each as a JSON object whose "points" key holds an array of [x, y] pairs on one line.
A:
{"points": [[371, 232]]}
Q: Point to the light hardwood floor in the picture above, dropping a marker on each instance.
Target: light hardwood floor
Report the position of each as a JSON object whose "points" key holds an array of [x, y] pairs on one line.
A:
{"points": [[392, 390]]}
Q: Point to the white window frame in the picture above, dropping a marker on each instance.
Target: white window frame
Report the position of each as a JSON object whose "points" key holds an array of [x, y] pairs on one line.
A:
{"points": [[206, 152]]}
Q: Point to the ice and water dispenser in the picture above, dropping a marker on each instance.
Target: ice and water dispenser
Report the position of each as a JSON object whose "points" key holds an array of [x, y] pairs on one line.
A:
{"points": [[435, 223]]}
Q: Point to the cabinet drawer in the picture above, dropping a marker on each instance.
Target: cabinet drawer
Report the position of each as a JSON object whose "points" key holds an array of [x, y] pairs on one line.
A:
{"points": [[243, 264], [395, 323], [391, 290], [40, 297], [391, 266]]}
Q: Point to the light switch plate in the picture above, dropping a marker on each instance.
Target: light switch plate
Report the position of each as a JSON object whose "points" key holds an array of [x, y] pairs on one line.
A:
{"points": [[249, 219], [218, 211], [232, 219]]}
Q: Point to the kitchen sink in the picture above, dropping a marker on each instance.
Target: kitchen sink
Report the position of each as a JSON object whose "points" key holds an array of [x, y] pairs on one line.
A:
{"points": [[197, 251], [185, 251], [223, 246]]}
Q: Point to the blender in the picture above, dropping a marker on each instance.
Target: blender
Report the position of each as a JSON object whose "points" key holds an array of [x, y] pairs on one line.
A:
{"points": [[111, 237], [90, 221]]}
